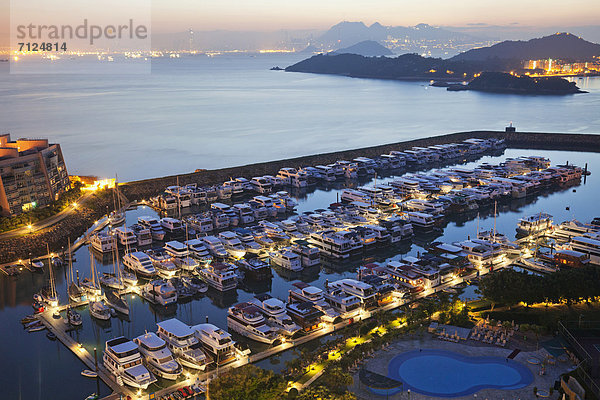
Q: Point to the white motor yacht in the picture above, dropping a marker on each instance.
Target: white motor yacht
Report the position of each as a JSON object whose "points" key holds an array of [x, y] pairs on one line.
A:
{"points": [[102, 242], [247, 320], [287, 259], [221, 276], [157, 356], [275, 312], [216, 342], [232, 244], [181, 340], [123, 360], [140, 263], [159, 292]]}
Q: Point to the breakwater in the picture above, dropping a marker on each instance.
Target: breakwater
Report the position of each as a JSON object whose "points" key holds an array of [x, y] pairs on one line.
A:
{"points": [[143, 189]]}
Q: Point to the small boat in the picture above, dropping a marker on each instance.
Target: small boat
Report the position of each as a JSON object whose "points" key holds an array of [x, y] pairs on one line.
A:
{"points": [[27, 319], [74, 317], [195, 284], [92, 396], [50, 335], [37, 265], [88, 373], [32, 324], [36, 328]]}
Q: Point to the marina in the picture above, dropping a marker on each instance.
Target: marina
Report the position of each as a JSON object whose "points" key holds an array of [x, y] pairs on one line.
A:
{"points": [[214, 303]]}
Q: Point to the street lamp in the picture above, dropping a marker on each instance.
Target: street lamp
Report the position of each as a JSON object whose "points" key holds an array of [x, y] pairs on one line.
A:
{"points": [[30, 227]]}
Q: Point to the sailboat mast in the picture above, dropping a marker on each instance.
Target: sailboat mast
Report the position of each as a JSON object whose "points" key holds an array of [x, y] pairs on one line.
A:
{"points": [[52, 285], [495, 205]]}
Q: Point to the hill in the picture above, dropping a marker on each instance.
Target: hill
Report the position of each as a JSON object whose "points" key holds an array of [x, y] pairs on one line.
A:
{"points": [[499, 82], [564, 46], [406, 66], [367, 48]]}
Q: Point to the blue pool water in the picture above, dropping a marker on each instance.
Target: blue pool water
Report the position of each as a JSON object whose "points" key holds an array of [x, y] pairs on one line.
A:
{"points": [[446, 374]]}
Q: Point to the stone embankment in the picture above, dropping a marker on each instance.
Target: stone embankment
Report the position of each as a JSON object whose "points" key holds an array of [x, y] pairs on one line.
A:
{"points": [[144, 189], [58, 235]]}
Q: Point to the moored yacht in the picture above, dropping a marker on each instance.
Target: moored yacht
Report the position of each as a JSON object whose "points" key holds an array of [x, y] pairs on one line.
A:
{"points": [[232, 244], [247, 239], [220, 276], [303, 292], [254, 268], [140, 263], [155, 227], [163, 263], [309, 256], [99, 310], [275, 312], [159, 292], [534, 224], [421, 222], [157, 356], [287, 259], [348, 305], [123, 360], [176, 249], [102, 242], [182, 341], [126, 236], [216, 342], [198, 250], [247, 320], [215, 247]]}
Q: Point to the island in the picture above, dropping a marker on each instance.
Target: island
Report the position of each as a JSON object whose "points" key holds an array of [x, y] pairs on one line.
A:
{"points": [[499, 82], [530, 67]]}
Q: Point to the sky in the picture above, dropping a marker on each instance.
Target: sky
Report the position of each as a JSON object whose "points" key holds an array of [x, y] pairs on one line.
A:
{"points": [[169, 15], [265, 15]]}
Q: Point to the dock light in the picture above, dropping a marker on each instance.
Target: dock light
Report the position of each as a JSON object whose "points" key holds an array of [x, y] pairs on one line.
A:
{"points": [[74, 205]]}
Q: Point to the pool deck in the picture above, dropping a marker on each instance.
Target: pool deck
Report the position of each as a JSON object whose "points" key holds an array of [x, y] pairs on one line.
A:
{"points": [[379, 363]]}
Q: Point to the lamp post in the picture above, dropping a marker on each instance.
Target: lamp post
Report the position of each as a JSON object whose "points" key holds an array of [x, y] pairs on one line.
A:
{"points": [[97, 375]]}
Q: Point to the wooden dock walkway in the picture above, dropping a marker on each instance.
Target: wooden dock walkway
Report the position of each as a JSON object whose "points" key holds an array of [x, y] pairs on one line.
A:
{"points": [[59, 328]]}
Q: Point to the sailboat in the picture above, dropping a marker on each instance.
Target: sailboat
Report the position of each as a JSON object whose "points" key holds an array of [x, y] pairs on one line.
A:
{"points": [[115, 300], [48, 293], [128, 278], [117, 217], [99, 310], [113, 280], [74, 290], [91, 286]]}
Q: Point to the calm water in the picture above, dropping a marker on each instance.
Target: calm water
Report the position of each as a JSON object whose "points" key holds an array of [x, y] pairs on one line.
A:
{"points": [[230, 110], [41, 367]]}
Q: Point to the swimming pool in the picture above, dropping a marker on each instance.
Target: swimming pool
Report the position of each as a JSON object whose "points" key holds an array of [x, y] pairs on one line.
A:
{"points": [[447, 374]]}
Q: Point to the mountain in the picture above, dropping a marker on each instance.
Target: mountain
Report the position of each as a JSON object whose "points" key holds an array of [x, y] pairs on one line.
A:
{"points": [[563, 46], [348, 33], [367, 48]]}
